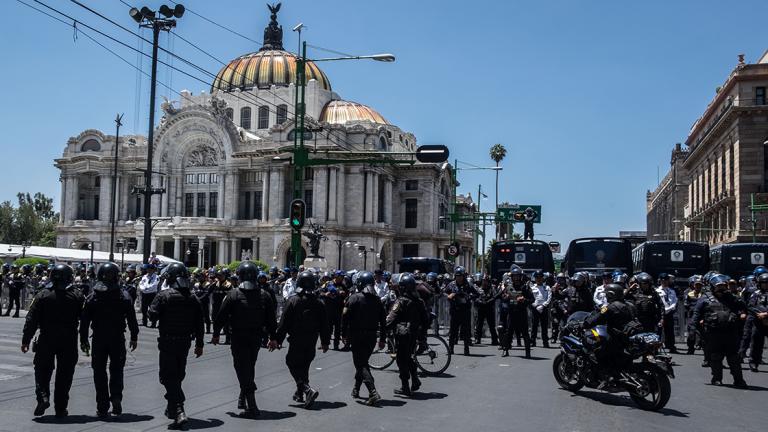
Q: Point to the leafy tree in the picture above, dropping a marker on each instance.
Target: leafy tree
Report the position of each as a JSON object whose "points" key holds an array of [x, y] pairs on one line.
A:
{"points": [[32, 221]]}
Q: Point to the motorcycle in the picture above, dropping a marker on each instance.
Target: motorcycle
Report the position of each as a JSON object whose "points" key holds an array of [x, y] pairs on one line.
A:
{"points": [[640, 369]]}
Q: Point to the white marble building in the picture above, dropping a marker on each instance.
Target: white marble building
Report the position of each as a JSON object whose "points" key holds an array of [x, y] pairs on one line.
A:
{"points": [[227, 196]]}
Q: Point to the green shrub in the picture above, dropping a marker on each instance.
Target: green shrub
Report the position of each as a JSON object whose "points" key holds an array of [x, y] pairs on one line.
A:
{"points": [[31, 261], [234, 264]]}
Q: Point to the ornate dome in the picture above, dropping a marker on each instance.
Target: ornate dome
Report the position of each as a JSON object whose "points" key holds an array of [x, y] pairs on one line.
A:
{"points": [[341, 112], [263, 69], [269, 66]]}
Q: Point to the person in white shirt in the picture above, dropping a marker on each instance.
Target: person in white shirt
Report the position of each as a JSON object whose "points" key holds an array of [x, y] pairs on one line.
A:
{"points": [[381, 286], [599, 296], [290, 284], [542, 297], [148, 291], [669, 298]]}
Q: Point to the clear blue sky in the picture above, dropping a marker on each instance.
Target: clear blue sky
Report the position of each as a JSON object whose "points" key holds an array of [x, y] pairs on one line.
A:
{"points": [[588, 96]]}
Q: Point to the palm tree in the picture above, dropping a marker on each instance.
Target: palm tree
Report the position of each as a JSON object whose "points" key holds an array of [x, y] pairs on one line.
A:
{"points": [[498, 153]]}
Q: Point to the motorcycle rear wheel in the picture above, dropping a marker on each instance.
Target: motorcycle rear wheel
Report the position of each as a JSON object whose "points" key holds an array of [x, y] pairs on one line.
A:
{"points": [[566, 380], [657, 389]]}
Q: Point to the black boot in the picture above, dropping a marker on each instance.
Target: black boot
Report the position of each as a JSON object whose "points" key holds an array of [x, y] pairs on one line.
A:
{"points": [[415, 383], [404, 390], [466, 350], [373, 397], [251, 410], [309, 397], [117, 407], [241, 401], [208, 328], [181, 418], [356, 390], [42, 405]]}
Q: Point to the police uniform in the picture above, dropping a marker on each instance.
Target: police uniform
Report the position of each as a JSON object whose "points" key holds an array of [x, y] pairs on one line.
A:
{"points": [[218, 291], [649, 307], [758, 303], [108, 313], [520, 297], [719, 318], [56, 313], [363, 323], [331, 297], [405, 320], [618, 317], [461, 313], [15, 287], [693, 338]]}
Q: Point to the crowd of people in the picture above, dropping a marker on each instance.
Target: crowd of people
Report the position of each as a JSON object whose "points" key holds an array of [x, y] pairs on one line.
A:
{"points": [[349, 311]]}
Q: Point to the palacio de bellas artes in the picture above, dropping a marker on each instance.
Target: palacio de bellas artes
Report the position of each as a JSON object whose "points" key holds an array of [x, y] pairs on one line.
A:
{"points": [[222, 161]]}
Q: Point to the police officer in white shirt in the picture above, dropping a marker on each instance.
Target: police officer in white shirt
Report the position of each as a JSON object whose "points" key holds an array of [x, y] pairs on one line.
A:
{"points": [[148, 290], [381, 286], [290, 284], [599, 296], [542, 296], [669, 298]]}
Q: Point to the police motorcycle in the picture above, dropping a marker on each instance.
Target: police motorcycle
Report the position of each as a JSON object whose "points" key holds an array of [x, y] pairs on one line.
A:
{"points": [[641, 369]]}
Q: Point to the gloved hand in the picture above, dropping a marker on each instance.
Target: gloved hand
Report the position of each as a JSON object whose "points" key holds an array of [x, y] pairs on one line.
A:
{"points": [[85, 347]]}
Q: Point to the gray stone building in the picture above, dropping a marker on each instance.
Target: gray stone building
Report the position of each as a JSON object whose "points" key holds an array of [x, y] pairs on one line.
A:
{"points": [[726, 165], [222, 158], [665, 205]]}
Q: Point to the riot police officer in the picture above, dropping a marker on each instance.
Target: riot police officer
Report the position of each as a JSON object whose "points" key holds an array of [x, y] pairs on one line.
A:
{"points": [[181, 320], [219, 289], [406, 318], [56, 313], [718, 312], [107, 311], [130, 283], [249, 311], [460, 294], [363, 322], [202, 290], [649, 306], [758, 318], [691, 296], [620, 318], [559, 304], [578, 297], [331, 297], [303, 320], [16, 286], [486, 309], [520, 297]]}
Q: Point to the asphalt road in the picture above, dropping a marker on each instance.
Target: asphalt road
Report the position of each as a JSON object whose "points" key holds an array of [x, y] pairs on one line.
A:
{"points": [[483, 392]]}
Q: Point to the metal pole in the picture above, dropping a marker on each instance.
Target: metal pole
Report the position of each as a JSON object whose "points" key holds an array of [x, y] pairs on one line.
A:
{"points": [[299, 152], [91, 254], [150, 145], [365, 259], [482, 260], [112, 213], [454, 214], [752, 211], [339, 243]]}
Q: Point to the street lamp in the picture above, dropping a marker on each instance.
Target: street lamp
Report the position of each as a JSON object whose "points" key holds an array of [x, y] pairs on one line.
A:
{"points": [[90, 246], [363, 252], [339, 244], [148, 18]]}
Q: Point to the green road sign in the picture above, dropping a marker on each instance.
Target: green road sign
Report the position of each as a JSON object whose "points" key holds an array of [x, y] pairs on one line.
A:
{"points": [[514, 213]]}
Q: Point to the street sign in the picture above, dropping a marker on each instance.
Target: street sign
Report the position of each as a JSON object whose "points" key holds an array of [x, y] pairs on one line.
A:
{"points": [[432, 153], [453, 249], [513, 213]]}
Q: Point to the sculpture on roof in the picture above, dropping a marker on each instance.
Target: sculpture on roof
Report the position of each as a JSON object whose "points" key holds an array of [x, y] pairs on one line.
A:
{"points": [[273, 34]]}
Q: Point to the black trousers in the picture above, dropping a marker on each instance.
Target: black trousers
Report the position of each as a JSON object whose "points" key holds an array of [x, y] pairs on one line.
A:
{"points": [[14, 297], [173, 369], [528, 232], [486, 314], [758, 333], [746, 336], [460, 322], [517, 324], [363, 345], [205, 304], [215, 307], [693, 339], [406, 346], [334, 325], [146, 300], [301, 352], [724, 345], [59, 352], [540, 319], [109, 388], [669, 330], [245, 352]]}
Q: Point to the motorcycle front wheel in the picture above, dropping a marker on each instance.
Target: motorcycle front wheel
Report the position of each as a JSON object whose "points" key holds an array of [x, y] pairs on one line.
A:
{"points": [[655, 389], [566, 374]]}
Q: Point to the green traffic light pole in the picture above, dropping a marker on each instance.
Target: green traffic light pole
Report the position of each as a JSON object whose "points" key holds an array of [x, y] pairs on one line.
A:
{"points": [[301, 158]]}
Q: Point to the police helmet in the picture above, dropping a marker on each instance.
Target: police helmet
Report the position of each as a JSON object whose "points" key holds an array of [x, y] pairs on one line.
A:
{"points": [[614, 292], [39, 268], [131, 268], [247, 273], [515, 270], [408, 284], [61, 276], [578, 280], [644, 277], [177, 276], [365, 283], [759, 270], [459, 271], [763, 278], [108, 275], [14, 267], [261, 276], [26, 269], [273, 270], [305, 283], [432, 277], [538, 273], [387, 276], [6, 268], [719, 280]]}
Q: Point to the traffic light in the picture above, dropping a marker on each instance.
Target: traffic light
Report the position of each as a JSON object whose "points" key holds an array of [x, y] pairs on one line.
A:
{"points": [[297, 214], [519, 216]]}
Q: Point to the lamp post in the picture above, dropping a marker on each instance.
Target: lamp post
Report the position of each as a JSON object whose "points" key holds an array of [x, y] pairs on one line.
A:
{"points": [[148, 227], [363, 252], [90, 246], [148, 18], [112, 212], [339, 244]]}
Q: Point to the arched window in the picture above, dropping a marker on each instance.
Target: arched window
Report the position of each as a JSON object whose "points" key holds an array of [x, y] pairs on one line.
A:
{"points": [[263, 117], [245, 117], [91, 145], [382, 143], [282, 113], [230, 113]]}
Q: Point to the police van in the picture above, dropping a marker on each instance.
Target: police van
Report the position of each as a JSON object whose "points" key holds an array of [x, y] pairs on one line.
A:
{"points": [[598, 255], [679, 259], [530, 255], [737, 259]]}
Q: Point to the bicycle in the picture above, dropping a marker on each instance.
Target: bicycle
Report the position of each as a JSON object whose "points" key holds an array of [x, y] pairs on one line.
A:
{"points": [[432, 359]]}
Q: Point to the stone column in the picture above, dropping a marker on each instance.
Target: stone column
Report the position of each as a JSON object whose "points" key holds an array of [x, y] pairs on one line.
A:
{"points": [[222, 252], [118, 196], [374, 197], [139, 242], [220, 201], [333, 194], [200, 251], [153, 244], [105, 192], [255, 253], [63, 199], [234, 251], [369, 194], [727, 170], [276, 189], [177, 253], [318, 193], [165, 198], [156, 199], [75, 200], [388, 201], [341, 195], [265, 192]]}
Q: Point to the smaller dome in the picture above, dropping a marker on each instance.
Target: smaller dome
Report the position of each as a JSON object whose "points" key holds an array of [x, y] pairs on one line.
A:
{"points": [[341, 112]]}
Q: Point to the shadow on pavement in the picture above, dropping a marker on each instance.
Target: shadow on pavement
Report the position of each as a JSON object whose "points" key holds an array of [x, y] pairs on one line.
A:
{"points": [[621, 400], [480, 355], [267, 415], [323, 405], [420, 396], [72, 419], [195, 424], [384, 403], [442, 375], [532, 357], [130, 418]]}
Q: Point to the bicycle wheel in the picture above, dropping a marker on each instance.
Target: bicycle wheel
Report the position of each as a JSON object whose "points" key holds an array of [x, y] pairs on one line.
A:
{"points": [[382, 358], [436, 358]]}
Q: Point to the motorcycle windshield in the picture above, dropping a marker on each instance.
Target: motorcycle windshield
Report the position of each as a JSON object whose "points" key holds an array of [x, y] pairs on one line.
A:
{"points": [[578, 316]]}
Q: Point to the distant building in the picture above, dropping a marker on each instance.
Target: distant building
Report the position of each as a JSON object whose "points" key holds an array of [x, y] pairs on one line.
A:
{"points": [[634, 237], [725, 165]]}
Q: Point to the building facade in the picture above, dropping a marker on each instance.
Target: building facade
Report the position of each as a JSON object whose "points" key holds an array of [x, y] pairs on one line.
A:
{"points": [[223, 160], [726, 166], [666, 204]]}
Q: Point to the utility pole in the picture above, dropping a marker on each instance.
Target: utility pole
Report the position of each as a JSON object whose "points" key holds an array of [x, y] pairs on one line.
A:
{"points": [[300, 154], [112, 212]]}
